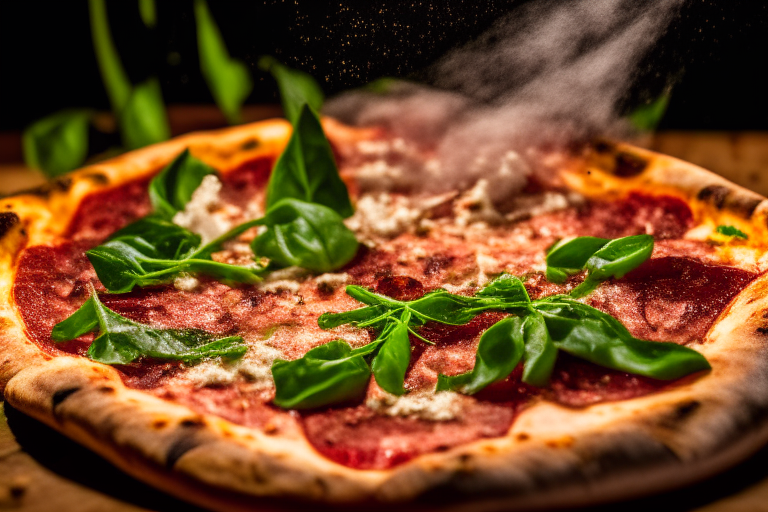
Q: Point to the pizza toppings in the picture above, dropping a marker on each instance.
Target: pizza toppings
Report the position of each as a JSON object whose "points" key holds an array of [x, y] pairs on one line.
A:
{"points": [[334, 372], [121, 340]]}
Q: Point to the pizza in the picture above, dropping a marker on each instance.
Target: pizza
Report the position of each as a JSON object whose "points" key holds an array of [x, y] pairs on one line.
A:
{"points": [[591, 331]]}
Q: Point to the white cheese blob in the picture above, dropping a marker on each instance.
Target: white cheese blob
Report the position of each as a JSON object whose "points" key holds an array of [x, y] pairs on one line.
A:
{"points": [[199, 215], [426, 405]]}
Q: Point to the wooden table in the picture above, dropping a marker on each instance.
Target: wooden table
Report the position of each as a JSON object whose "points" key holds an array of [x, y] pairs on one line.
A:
{"points": [[41, 470]]}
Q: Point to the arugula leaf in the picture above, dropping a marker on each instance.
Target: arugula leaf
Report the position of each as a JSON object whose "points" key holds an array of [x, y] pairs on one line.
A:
{"points": [[296, 88], [590, 334], [57, 143], [507, 287], [391, 363], [143, 120], [569, 256], [500, 349], [540, 351], [306, 235], [306, 169], [732, 231], [121, 341], [228, 79], [329, 374], [172, 188]]}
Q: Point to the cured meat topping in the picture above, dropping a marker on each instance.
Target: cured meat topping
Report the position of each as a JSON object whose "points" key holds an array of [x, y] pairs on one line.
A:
{"points": [[676, 296]]}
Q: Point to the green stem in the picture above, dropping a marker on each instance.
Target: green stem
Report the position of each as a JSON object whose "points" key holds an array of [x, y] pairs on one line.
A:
{"points": [[112, 73]]}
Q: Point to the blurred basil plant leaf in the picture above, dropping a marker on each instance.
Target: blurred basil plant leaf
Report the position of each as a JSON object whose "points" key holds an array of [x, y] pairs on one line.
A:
{"points": [[57, 143], [227, 78]]}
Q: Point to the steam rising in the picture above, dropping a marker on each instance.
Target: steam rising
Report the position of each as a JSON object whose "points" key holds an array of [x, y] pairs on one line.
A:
{"points": [[549, 73]]}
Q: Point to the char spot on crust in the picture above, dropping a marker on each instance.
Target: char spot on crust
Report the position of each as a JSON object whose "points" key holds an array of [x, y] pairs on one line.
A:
{"points": [[714, 195], [62, 394], [250, 144], [745, 206], [196, 422], [106, 390], [97, 178], [179, 447], [762, 330], [7, 221], [629, 164]]}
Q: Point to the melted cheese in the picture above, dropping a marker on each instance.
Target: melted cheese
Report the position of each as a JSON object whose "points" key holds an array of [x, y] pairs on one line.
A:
{"points": [[254, 367], [442, 406], [199, 215]]}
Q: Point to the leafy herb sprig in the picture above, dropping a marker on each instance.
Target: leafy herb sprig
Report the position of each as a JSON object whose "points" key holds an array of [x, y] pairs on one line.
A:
{"points": [[306, 203], [121, 340], [539, 329], [732, 231]]}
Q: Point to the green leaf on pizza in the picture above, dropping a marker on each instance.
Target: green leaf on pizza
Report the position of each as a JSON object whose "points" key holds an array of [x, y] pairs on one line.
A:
{"points": [[172, 188], [306, 170], [122, 341], [306, 235], [732, 231], [329, 374]]}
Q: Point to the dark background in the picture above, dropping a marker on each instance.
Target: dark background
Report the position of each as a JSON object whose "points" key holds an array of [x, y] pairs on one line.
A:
{"points": [[718, 49]]}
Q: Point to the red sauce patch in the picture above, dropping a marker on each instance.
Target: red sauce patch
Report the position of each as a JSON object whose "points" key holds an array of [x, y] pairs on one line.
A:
{"points": [[671, 298]]}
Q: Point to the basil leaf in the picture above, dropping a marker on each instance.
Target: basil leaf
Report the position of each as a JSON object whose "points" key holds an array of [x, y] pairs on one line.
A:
{"points": [[732, 231], [122, 341], [164, 239], [391, 363], [143, 120], [126, 262], [296, 88], [172, 188], [620, 256], [57, 143], [326, 375], [540, 351], [569, 257], [371, 298], [355, 316], [306, 235], [82, 321], [228, 79], [306, 169], [447, 308], [507, 287], [498, 352], [588, 333]]}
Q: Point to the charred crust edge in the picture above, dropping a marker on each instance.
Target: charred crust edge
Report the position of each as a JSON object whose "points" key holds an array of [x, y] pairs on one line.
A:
{"points": [[62, 394], [628, 164], [179, 447], [7, 221]]}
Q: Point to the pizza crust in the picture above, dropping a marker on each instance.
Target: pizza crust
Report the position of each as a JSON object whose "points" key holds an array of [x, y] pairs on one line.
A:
{"points": [[552, 455]]}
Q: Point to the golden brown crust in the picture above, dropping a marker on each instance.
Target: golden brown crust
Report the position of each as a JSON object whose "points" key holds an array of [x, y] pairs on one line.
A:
{"points": [[552, 455]]}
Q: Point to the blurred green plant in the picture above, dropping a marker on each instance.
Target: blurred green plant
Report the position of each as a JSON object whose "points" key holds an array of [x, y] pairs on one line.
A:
{"points": [[228, 79], [148, 13], [58, 143], [296, 88], [646, 118], [140, 110]]}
